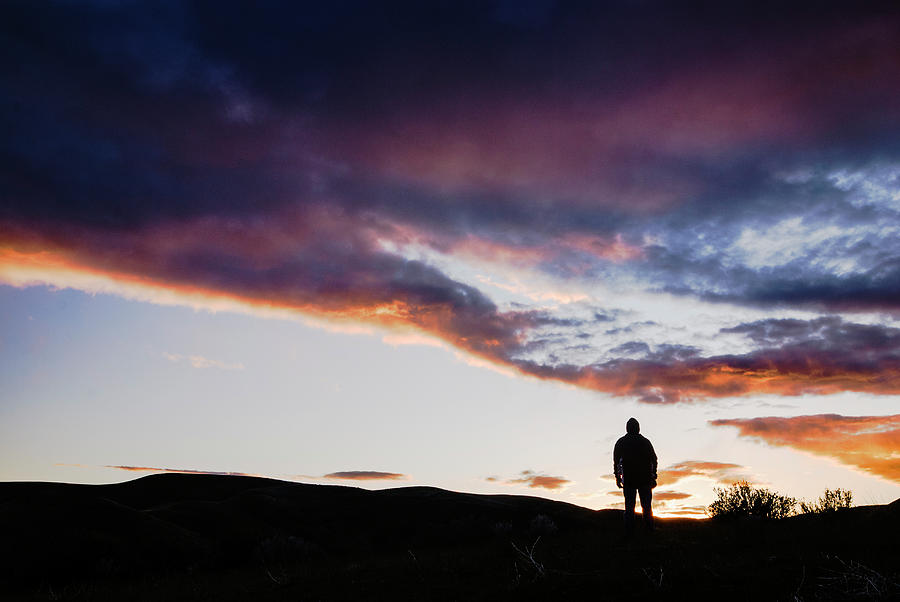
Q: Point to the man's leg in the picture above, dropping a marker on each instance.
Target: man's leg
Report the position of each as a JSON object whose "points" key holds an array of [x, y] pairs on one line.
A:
{"points": [[630, 493], [646, 500]]}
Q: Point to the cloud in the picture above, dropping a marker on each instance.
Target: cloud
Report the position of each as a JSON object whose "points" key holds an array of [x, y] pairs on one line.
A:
{"points": [[666, 496], [873, 289], [536, 480], [808, 367], [722, 472], [198, 361], [346, 475], [365, 475], [869, 443], [488, 147], [688, 511], [720, 159], [367, 285], [665, 503], [631, 347], [179, 470]]}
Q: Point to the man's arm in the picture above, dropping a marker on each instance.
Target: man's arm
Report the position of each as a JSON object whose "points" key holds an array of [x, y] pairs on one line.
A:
{"points": [[617, 464], [653, 465]]}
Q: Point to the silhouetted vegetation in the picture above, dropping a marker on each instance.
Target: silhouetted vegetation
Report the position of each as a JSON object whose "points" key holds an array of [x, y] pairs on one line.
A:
{"points": [[742, 499], [830, 501]]}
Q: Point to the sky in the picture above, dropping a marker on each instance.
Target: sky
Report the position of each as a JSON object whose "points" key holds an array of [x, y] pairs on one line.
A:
{"points": [[453, 244]]}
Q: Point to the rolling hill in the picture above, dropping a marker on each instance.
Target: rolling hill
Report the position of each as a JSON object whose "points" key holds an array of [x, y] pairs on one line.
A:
{"points": [[209, 537]]}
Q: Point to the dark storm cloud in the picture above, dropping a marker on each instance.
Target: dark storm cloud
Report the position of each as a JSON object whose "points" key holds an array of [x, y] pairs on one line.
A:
{"points": [[670, 352], [793, 357], [877, 289], [631, 347], [149, 110], [828, 332], [798, 284], [281, 153]]}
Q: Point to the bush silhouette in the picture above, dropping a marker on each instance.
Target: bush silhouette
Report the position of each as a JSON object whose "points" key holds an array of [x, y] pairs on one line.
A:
{"points": [[830, 501], [741, 499]]}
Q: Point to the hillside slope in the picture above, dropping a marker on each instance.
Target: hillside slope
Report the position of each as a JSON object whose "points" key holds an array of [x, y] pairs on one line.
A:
{"points": [[230, 537]]}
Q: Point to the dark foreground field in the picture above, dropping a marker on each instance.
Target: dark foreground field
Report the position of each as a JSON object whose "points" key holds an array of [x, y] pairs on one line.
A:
{"points": [[200, 537]]}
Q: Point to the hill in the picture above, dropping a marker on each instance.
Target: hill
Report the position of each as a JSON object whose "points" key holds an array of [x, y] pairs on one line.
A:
{"points": [[207, 537]]}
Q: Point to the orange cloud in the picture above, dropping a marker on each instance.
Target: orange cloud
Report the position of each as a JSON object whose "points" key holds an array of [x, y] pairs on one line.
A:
{"points": [[688, 512], [666, 496], [670, 504], [535, 480], [666, 504], [722, 472], [870, 443], [365, 475], [766, 371]]}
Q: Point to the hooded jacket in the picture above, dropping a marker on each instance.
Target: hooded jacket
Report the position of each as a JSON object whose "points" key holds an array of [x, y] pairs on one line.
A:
{"points": [[634, 460]]}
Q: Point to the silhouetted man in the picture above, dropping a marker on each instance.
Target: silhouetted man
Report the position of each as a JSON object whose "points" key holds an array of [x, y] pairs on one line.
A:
{"points": [[634, 464]]}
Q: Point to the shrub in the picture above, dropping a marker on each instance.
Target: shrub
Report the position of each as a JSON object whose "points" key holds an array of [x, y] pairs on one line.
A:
{"points": [[502, 528], [542, 525], [830, 501], [741, 499]]}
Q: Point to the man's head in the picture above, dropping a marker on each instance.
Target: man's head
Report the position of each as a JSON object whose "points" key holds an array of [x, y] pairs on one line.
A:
{"points": [[632, 426]]}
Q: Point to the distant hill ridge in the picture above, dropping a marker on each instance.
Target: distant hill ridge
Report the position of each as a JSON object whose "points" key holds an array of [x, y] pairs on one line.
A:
{"points": [[169, 520], [187, 535]]}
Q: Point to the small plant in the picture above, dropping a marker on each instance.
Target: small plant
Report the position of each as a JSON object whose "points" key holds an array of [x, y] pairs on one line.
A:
{"points": [[741, 499], [855, 581], [830, 501], [502, 528], [527, 555], [542, 525]]}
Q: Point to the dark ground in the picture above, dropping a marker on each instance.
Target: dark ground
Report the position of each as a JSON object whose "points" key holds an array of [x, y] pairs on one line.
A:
{"points": [[203, 537]]}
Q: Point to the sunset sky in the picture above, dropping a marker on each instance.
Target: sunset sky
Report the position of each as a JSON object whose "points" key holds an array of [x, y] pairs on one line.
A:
{"points": [[454, 244]]}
